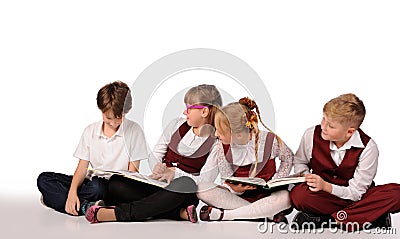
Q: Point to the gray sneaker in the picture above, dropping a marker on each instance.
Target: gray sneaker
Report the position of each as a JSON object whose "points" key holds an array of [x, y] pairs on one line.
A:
{"points": [[42, 202], [87, 205]]}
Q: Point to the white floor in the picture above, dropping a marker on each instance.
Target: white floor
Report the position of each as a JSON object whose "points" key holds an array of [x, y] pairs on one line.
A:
{"points": [[27, 218]]}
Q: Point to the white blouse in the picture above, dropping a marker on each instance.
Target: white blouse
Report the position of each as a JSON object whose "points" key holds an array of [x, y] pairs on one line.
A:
{"points": [[245, 154], [186, 147]]}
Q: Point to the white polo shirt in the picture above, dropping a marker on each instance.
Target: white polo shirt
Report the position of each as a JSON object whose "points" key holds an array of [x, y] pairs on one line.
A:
{"points": [[126, 145]]}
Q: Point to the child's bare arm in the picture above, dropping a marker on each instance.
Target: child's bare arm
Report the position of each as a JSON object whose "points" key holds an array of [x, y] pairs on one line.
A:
{"points": [[73, 204], [134, 166]]}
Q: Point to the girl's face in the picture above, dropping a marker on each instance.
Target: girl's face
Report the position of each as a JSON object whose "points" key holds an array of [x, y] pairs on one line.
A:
{"points": [[224, 135], [110, 120], [335, 131], [196, 115]]}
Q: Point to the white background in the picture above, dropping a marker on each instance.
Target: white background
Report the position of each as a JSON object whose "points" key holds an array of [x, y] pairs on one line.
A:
{"points": [[55, 55]]}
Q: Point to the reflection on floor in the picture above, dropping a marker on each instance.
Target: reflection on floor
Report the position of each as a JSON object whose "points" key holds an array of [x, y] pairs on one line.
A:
{"points": [[27, 218]]}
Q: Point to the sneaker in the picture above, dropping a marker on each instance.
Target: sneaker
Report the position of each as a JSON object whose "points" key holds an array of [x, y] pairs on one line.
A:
{"points": [[86, 205], [100, 203], [192, 214], [383, 221], [205, 212], [303, 220], [280, 217], [42, 202], [91, 213]]}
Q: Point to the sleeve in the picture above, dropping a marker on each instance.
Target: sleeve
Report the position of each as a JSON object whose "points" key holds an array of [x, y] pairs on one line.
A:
{"points": [[363, 176], [303, 154], [285, 155], [160, 148], [137, 145], [83, 149], [215, 164]]}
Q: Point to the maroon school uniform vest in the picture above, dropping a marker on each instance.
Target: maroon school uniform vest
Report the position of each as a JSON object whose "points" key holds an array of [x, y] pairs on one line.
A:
{"points": [[190, 164], [267, 165], [322, 163]]}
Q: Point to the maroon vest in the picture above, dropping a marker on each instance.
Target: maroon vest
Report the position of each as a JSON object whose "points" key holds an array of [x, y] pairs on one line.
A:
{"points": [[267, 168], [322, 164], [190, 164]]}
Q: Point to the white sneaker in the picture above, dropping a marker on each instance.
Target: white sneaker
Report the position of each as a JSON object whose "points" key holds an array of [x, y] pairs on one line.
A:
{"points": [[100, 203], [42, 202]]}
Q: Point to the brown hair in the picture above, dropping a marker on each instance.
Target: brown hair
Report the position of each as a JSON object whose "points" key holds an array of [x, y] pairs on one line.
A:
{"points": [[116, 97], [239, 117], [207, 95], [347, 109]]}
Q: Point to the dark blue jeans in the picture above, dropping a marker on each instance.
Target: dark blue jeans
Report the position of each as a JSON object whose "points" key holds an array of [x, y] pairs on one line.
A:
{"points": [[55, 187]]}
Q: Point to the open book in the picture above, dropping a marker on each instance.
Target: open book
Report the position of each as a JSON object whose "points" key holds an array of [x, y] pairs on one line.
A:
{"points": [[270, 185], [128, 174]]}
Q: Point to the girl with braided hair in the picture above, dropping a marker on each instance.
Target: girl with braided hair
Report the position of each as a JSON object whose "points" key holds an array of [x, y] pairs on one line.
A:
{"points": [[251, 152]]}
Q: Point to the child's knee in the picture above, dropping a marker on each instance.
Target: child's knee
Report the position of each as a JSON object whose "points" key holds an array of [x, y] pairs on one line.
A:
{"points": [[183, 184], [298, 197], [42, 180], [283, 198], [96, 189]]}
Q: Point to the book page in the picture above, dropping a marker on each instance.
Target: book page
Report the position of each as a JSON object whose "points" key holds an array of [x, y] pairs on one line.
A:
{"points": [[245, 180], [294, 178], [285, 181], [129, 174]]}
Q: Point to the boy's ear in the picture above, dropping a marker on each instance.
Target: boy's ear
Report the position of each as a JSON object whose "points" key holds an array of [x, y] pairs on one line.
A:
{"points": [[351, 131]]}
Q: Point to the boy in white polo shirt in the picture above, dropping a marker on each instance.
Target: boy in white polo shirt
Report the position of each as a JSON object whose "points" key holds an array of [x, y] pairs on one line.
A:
{"points": [[114, 143]]}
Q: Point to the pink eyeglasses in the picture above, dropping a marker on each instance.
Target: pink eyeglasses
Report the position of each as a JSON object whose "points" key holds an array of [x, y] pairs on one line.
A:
{"points": [[189, 107]]}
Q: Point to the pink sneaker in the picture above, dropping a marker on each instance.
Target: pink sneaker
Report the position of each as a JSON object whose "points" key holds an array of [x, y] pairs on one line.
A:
{"points": [[91, 213], [192, 214]]}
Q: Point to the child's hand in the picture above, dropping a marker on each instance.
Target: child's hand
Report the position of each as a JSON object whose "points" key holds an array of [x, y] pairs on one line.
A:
{"points": [[240, 188], [159, 168], [316, 183], [73, 204], [166, 174]]}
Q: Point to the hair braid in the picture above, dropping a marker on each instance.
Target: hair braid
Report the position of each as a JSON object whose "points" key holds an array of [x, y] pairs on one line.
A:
{"points": [[257, 135]]}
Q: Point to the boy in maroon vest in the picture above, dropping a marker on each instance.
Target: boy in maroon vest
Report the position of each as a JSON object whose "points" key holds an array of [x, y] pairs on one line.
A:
{"points": [[341, 162]]}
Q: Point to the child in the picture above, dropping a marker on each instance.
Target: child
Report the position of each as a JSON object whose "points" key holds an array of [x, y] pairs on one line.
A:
{"points": [[252, 152], [180, 157], [343, 162], [115, 143]]}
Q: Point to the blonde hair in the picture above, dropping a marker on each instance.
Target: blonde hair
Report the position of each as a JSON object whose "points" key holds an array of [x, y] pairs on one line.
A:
{"points": [[239, 117], [207, 95], [346, 109]]}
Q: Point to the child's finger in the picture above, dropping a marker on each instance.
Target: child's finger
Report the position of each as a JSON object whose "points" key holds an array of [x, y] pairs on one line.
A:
{"points": [[163, 178], [313, 189], [311, 184], [155, 176], [78, 206]]}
